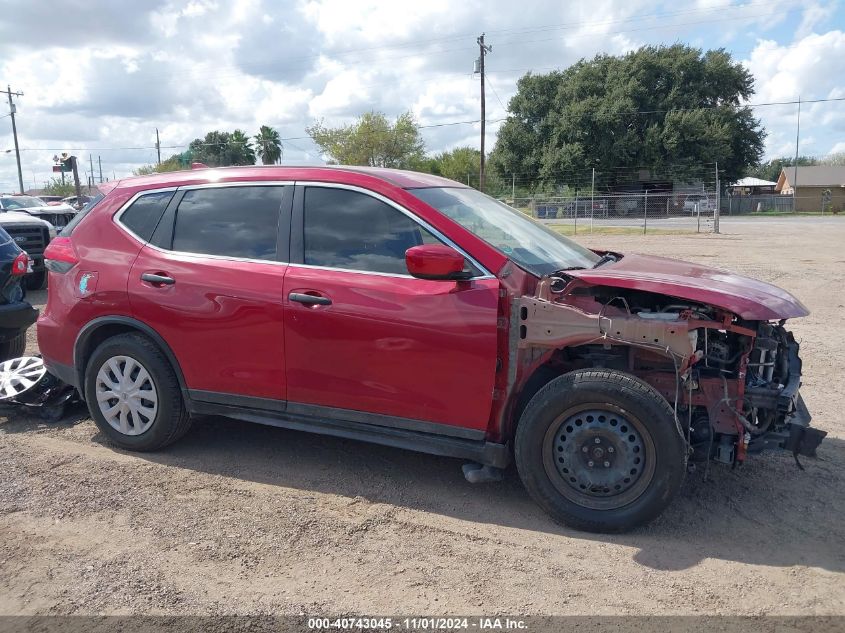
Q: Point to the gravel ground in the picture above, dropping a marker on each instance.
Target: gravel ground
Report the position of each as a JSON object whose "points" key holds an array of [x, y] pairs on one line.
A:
{"points": [[238, 518]]}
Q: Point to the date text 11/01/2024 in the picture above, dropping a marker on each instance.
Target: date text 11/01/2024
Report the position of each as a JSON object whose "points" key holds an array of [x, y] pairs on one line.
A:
{"points": [[480, 623]]}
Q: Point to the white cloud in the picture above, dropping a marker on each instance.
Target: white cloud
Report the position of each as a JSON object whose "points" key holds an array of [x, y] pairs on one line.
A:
{"points": [[810, 68], [104, 74]]}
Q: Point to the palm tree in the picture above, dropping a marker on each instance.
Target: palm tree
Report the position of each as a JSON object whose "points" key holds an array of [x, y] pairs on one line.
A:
{"points": [[240, 149], [268, 145]]}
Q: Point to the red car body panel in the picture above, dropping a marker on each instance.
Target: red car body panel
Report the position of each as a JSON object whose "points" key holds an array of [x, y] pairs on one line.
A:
{"points": [[379, 347], [222, 319], [103, 250], [748, 298]]}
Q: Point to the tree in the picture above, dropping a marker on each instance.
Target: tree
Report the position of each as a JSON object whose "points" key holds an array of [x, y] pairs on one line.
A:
{"points": [[770, 170], [268, 145], [55, 187], [372, 140], [221, 149], [461, 164], [240, 151], [673, 110], [833, 159], [170, 164]]}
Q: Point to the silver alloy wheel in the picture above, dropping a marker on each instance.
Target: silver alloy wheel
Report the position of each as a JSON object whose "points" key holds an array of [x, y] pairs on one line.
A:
{"points": [[126, 395], [20, 374]]}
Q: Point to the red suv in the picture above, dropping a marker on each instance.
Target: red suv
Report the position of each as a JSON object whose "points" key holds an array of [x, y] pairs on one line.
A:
{"points": [[412, 311]]}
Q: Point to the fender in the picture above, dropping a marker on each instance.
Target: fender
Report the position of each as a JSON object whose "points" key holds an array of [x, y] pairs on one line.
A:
{"points": [[90, 328]]}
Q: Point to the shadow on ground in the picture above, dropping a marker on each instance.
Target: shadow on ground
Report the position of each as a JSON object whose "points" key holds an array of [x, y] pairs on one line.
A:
{"points": [[767, 512]]}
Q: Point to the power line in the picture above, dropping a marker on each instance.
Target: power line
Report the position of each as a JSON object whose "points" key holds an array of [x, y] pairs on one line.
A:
{"points": [[447, 124]]}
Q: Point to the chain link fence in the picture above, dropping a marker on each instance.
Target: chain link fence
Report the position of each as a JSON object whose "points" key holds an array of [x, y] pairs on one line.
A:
{"points": [[656, 211]]}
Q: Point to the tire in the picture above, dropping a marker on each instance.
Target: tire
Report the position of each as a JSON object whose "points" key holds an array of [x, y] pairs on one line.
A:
{"points": [[159, 417], [36, 281], [13, 347], [600, 451]]}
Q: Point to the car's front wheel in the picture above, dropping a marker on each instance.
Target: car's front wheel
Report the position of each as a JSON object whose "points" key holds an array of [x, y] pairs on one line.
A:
{"points": [[133, 394], [600, 450]]}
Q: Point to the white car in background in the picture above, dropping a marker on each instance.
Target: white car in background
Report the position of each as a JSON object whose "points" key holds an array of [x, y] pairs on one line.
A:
{"points": [[57, 215], [700, 201]]}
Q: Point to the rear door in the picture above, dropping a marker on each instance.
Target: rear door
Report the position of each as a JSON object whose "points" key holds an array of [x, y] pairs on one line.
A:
{"points": [[210, 283], [364, 337]]}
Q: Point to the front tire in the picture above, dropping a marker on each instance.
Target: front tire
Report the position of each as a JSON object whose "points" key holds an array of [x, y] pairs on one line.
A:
{"points": [[133, 394], [600, 451]]}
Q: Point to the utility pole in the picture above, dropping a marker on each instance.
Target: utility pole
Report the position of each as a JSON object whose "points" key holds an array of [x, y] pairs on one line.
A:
{"points": [[12, 111], [483, 50], [158, 150], [100, 161], [718, 201], [513, 188], [592, 198], [795, 163], [76, 182]]}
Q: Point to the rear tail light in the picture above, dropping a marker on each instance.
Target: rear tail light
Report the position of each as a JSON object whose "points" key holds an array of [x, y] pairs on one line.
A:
{"points": [[20, 265], [60, 255]]}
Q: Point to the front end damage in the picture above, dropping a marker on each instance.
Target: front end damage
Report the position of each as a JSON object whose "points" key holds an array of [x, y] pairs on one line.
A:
{"points": [[733, 382]]}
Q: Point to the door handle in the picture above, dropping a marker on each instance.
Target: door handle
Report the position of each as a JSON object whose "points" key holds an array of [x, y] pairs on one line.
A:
{"points": [[306, 299], [163, 280]]}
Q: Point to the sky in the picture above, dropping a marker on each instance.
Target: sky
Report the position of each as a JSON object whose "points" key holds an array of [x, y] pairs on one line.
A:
{"points": [[99, 76]]}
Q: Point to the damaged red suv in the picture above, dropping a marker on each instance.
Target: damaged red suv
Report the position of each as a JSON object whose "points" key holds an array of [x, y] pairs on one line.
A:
{"points": [[410, 310]]}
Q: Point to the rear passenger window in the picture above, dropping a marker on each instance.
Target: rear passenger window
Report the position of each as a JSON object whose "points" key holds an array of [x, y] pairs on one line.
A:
{"points": [[229, 221], [352, 230], [143, 215]]}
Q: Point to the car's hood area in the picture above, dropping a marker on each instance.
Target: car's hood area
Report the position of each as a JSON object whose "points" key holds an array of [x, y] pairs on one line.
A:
{"points": [[17, 217], [748, 298]]}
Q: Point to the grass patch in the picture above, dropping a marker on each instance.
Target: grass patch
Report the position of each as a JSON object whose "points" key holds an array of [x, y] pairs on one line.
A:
{"points": [[569, 229]]}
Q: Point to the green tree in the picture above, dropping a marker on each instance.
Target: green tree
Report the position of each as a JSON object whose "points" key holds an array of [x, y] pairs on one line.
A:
{"points": [[212, 149], [372, 140], [169, 164], [240, 151], [459, 164], [55, 187], [268, 145], [673, 110], [770, 170], [222, 149]]}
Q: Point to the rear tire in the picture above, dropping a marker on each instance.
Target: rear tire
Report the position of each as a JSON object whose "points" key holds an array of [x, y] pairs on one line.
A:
{"points": [[14, 347], [600, 451], [36, 281], [133, 394]]}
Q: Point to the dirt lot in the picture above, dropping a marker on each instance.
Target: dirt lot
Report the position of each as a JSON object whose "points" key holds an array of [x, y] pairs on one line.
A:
{"points": [[238, 518]]}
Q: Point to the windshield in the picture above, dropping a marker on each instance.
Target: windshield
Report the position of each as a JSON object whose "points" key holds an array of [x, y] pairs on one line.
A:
{"points": [[21, 202], [528, 243]]}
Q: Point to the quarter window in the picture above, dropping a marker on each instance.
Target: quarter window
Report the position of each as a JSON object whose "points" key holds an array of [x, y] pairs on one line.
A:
{"points": [[229, 221], [144, 214], [352, 230]]}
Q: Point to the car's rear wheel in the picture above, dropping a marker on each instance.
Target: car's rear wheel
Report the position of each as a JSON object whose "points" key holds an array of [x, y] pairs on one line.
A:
{"points": [[600, 450], [133, 394], [36, 281], [13, 347]]}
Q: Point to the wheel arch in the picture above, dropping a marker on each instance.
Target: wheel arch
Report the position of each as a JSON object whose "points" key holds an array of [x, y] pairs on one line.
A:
{"points": [[103, 328], [551, 366]]}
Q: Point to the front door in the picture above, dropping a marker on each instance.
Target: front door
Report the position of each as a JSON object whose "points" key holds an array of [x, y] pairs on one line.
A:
{"points": [[362, 335], [211, 285]]}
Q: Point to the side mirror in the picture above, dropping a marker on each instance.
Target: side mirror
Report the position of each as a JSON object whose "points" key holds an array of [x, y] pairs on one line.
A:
{"points": [[435, 261]]}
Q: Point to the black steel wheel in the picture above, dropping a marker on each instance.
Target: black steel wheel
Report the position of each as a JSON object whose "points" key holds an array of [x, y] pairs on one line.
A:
{"points": [[600, 450]]}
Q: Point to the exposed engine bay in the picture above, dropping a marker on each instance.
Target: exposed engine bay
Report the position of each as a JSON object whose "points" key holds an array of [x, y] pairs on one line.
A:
{"points": [[733, 383]]}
